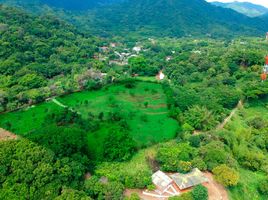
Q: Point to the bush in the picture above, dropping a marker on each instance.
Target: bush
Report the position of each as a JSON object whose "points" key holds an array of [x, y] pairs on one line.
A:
{"points": [[226, 175], [151, 187], [184, 166], [195, 140], [133, 196], [183, 196], [118, 146], [170, 155], [257, 122], [200, 118], [263, 187], [199, 163], [200, 193]]}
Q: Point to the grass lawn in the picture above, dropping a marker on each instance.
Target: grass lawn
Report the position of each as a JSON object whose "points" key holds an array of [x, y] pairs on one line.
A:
{"points": [[147, 78], [148, 124], [144, 108], [27, 120]]}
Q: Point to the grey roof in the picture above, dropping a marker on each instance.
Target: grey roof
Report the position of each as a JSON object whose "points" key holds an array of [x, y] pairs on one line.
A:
{"points": [[161, 180], [184, 181]]}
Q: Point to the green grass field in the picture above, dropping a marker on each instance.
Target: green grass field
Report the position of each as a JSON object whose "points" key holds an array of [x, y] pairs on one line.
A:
{"points": [[144, 107], [27, 120], [148, 124]]}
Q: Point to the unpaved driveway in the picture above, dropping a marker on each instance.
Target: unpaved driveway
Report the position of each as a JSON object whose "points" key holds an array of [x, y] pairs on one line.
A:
{"points": [[215, 190]]}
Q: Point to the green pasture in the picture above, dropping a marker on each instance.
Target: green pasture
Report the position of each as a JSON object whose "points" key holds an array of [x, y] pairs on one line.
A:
{"points": [[29, 119], [143, 107]]}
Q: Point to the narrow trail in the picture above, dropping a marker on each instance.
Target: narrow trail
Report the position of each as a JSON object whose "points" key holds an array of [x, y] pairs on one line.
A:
{"points": [[227, 119], [58, 103], [64, 106]]}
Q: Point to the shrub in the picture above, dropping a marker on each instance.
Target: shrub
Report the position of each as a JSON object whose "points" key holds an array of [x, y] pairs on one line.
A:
{"points": [[199, 163], [263, 187], [184, 166], [133, 196], [151, 187], [118, 146], [195, 140], [257, 122], [226, 175], [200, 193], [183, 196], [200, 118]]}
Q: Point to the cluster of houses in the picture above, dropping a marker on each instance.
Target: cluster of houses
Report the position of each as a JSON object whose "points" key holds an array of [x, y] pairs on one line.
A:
{"points": [[168, 185], [122, 57]]}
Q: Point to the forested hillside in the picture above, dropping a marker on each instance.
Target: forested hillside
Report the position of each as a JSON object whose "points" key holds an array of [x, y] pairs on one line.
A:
{"points": [[173, 85], [175, 18], [37, 55]]}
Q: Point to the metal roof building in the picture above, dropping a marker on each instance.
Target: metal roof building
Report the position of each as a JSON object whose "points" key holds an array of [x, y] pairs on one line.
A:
{"points": [[185, 181]]}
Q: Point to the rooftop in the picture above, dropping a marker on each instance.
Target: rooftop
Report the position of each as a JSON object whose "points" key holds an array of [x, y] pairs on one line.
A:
{"points": [[184, 181]]}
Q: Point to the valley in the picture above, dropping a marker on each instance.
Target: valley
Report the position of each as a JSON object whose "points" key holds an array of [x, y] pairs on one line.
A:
{"points": [[133, 100]]}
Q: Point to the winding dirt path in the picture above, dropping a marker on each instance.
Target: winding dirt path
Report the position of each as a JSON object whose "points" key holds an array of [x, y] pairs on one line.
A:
{"points": [[227, 119]]}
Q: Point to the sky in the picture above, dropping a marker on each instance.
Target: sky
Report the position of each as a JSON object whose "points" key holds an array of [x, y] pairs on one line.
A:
{"points": [[260, 2]]}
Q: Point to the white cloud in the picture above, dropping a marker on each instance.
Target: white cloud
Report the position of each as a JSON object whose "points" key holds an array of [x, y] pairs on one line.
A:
{"points": [[260, 2]]}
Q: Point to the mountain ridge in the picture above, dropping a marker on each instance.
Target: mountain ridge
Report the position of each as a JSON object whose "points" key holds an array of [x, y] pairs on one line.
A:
{"points": [[246, 8], [176, 18]]}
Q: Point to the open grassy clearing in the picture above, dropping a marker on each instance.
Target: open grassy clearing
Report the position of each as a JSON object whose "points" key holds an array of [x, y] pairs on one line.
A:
{"points": [[144, 108], [148, 123], [28, 120]]}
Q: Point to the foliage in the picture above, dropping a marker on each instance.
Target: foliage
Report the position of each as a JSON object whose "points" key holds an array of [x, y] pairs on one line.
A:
{"points": [[118, 146], [200, 118], [133, 196], [200, 192], [98, 190], [183, 196], [263, 187], [64, 142], [215, 154], [172, 157], [70, 194], [35, 51], [226, 175], [31, 171]]}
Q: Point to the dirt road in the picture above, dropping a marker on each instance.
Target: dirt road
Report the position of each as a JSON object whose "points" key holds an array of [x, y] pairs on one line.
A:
{"points": [[215, 190]]}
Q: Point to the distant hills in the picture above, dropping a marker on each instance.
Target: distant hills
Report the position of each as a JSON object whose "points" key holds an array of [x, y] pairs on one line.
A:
{"points": [[173, 18], [246, 8], [78, 4]]}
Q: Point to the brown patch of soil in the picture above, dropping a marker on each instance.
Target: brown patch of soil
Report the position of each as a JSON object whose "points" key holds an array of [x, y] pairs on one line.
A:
{"points": [[6, 135], [215, 190]]}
